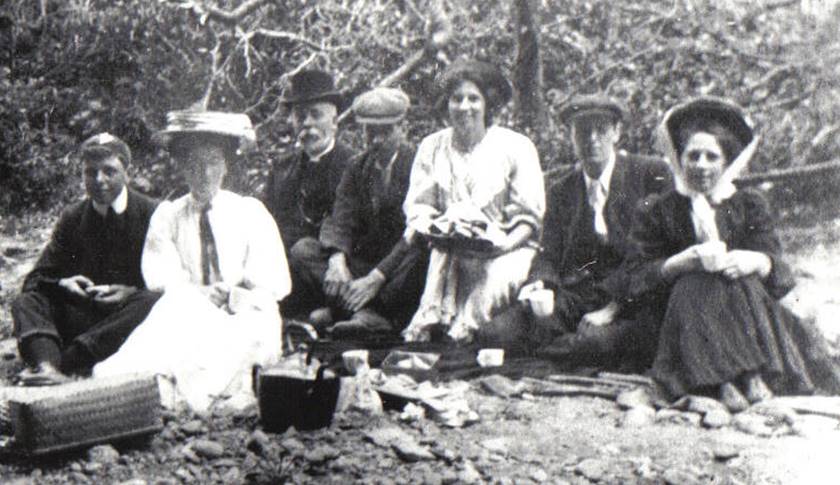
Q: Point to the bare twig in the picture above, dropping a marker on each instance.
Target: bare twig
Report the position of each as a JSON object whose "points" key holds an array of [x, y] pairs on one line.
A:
{"points": [[231, 17], [278, 34], [597, 74]]}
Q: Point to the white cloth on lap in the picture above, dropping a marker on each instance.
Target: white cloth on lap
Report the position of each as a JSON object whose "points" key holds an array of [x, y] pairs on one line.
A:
{"points": [[209, 351]]}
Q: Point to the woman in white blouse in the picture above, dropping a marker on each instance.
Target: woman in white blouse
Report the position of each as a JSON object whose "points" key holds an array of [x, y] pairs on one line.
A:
{"points": [[220, 262]]}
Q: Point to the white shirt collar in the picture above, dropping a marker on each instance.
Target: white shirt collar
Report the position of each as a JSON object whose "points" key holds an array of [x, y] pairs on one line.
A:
{"points": [[318, 157], [119, 204], [605, 177]]}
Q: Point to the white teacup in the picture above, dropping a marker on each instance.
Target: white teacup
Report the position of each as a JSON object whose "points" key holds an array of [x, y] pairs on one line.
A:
{"points": [[542, 302], [491, 357], [712, 255]]}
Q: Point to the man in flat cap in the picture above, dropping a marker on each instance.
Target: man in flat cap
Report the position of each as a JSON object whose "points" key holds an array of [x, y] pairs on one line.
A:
{"points": [[370, 278], [587, 225], [300, 190], [86, 293]]}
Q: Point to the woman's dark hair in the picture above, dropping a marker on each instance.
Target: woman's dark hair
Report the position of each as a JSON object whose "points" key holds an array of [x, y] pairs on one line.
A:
{"points": [[182, 141], [729, 143], [489, 79]]}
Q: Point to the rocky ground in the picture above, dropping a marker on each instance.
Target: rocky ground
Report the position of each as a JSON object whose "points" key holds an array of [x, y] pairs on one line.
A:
{"points": [[521, 437]]}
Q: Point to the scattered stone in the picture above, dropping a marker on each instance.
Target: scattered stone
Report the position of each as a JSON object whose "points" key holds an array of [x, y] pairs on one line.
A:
{"points": [[444, 454], [725, 451], [778, 413], [292, 445], [75, 467], [592, 469], [192, 428], [638, 397], [638, 417], [92, 468], [103, 454], [207, 449], [184, 475], [496, 445], [703, 405], [751, 424], [539, 475], [258, 442], [717, 418], [321, 454], [449, 477], [232, 476], [225, 463], [410, 451], [469, 474], [501, 386], [166, 481], [188, 454], [135, 481], [384, 437], [14, 251]]}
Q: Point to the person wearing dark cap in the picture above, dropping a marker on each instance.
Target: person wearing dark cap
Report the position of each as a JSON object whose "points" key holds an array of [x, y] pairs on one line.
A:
{"points": [[300, 189], [86, 293], [370, 277], [585, 239], [707, 260], [476, 194]]}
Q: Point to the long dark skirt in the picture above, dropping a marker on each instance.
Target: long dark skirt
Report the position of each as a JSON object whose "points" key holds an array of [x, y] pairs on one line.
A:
{"points": [[715, 330]]}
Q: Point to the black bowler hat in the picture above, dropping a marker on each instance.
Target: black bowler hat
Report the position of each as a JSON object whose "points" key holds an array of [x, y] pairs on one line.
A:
{"points": [[311, 86], [591, 104]]}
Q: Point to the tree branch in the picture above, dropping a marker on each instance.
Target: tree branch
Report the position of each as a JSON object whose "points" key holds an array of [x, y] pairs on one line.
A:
{"points": [[232, 17]]}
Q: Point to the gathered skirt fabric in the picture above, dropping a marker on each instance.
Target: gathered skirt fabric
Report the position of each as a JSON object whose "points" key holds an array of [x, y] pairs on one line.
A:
{"points": [[714, 330], [208, 353]]}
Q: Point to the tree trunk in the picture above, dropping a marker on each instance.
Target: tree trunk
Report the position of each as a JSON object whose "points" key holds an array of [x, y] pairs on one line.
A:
{"points": [[527, 75]]}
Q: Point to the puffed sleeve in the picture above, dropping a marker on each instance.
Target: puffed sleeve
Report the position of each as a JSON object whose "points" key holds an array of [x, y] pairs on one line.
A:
{"points": [[526, 196], [422, 203], [265, 269], [161, 264]]}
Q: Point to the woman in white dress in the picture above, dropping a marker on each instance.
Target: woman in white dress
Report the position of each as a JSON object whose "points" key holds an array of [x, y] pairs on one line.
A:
{"points": [[220, 262], [480, 175]]}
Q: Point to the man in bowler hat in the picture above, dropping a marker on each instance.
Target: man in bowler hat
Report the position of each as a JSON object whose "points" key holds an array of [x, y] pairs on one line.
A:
{"points": [[86, 293], [585, 238], [300, 190], [369, 276]]}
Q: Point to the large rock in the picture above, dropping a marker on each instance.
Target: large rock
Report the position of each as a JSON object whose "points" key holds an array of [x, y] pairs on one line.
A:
{"points": [[638, 397], [703, 405], [717, 418], [638, 417], [207, 449]]}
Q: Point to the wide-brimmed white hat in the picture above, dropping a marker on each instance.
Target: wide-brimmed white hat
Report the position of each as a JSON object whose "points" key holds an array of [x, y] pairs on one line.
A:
{"points": [[237, 125]]}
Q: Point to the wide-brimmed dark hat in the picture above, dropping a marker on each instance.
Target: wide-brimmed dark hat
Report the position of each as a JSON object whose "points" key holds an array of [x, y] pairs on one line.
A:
{"points": [[591, 104], [235, 125], [720, 110], [311, 86], [106, 144], [488, 77]]}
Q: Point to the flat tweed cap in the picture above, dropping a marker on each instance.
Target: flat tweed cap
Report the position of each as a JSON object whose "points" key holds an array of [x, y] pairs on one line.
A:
{"points": [[236, 125], [592, 104], [381, 106], [106, 143]]}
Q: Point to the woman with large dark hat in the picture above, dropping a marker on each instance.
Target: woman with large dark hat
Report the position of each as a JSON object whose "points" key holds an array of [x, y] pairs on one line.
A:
{"points": [[477, 194], [707, 257]]}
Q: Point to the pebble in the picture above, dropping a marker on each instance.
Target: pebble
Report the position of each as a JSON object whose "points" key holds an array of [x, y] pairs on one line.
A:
{"points": [[725, 451], [184, 475], [190, 455], [258, 442], [638, 417], [638, 397], [232, 476], [703, 405], [675, 476], [92, 468], [384, 437], [496, 445], [592, 468], [207, 448], [321, 454], [539, 475], [75, 467], [449, 477], [469, 474], [717, 418], [135, 481], [192, 428], [103, 454], [225, 463], [292, 445], [410, 451], [751, 424], [501, 386]]}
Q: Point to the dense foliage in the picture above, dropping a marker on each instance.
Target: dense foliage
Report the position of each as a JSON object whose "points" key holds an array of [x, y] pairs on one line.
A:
{"points": [[73, 68]]}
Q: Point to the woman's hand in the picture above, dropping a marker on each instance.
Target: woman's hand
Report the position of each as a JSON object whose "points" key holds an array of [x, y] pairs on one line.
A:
{"points": [[505, 242], [217, 293], [685, 261], [601, 317], [739, 263]]}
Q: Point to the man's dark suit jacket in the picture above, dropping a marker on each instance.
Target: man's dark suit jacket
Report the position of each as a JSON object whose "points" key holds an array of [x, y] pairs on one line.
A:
{"points": [[572, 255], [82, 244], [300, 194]]}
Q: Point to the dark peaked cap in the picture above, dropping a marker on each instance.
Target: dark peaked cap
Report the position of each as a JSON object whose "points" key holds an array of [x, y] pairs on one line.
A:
{"points": [[591, 104], [310, 86]]}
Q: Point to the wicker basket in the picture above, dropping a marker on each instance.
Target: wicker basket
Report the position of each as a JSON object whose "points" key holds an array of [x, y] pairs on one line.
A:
{"points": [[84, 413]]}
